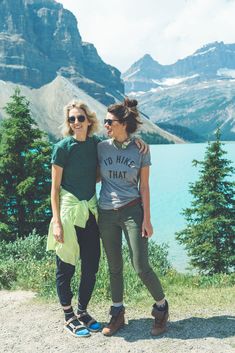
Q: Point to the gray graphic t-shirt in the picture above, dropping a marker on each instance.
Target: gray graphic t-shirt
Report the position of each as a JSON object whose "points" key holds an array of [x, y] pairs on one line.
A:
{"points": [[120, 169]]}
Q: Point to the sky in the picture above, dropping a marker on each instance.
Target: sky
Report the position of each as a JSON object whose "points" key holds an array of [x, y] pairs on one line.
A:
{"points": [[125, 30]]}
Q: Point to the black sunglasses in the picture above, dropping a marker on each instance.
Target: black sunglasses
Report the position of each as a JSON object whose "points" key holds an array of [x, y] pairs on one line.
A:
{"points": [[109, 121], [80, 118]]}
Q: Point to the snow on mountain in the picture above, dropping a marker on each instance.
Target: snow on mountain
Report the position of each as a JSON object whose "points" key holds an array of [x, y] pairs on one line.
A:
{"points": [[225, 72], [196, 92], [132, 74], [204, 52], [172, 81]]}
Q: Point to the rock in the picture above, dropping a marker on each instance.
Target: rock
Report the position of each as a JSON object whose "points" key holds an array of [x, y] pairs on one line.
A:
{"points": [[205, 64], [40, 40], [195, 95], [47, 102], [200, 107]]}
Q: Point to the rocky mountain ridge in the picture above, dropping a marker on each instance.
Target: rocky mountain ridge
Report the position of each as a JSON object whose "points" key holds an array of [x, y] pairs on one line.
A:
{"points": [[40, 40], [195, 93], [201, 107], [212, 61], [47, 102]]}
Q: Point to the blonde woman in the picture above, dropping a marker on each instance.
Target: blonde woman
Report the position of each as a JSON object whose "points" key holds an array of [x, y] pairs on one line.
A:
{"points": [[73, 230]]}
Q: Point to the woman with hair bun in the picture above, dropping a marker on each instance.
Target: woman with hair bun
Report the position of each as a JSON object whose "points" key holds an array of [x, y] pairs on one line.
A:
{"points": [[124, 206]]}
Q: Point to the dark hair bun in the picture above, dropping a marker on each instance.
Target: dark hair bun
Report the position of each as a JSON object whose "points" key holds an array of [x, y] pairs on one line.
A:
{"points": [[130, 103]]}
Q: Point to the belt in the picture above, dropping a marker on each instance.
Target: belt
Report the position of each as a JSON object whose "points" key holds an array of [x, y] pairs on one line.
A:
{"points": [[131, 203]]}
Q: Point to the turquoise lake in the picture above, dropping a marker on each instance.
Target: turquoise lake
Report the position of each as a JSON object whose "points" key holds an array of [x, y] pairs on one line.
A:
{"points": [[171, 173]]}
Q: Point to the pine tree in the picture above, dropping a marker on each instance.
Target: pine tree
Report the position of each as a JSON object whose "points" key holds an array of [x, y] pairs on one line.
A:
{"points": [[24, 172], [209, 237]]}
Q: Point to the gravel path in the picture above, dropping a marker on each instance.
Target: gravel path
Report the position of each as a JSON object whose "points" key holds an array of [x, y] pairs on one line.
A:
{"points": [[30, 326]]}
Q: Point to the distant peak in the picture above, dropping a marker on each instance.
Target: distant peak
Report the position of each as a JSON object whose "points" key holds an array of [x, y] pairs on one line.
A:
{"points": [[146, 60], [211, 45], [147, 57], [215, 44]]}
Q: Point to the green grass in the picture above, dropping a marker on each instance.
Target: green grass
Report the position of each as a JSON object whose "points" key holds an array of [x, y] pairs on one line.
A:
{"points": [[25, 264]]}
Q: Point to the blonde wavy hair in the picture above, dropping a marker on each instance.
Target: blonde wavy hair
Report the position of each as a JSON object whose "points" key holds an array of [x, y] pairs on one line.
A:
{"points": [[91, 116]]}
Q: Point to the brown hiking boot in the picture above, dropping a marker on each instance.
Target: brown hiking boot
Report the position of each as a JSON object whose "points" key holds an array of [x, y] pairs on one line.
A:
{"points": [[160, 321], [116, 322]]}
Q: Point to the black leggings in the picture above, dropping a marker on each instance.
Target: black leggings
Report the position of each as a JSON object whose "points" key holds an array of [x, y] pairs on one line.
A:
{"points": [[89, 242]]}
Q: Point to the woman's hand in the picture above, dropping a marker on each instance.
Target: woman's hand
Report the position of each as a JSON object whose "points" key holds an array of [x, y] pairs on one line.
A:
{"points": [[56, 177], [58, 232], [147, 229], [143, 147]]}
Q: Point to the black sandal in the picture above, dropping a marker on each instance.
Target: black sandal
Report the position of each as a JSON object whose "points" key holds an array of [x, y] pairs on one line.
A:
{"points": [[88, 321], [75, 328]]}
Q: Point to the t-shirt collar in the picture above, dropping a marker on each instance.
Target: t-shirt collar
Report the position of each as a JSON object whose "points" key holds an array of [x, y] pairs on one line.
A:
{"points": [[122, 145]]}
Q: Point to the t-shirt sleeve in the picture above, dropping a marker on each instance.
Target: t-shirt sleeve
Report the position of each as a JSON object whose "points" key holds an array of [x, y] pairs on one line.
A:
{"points": [[59, 156], [146, 160], [99, 150]]}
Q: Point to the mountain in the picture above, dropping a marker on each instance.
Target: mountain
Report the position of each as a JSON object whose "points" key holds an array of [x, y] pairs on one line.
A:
{"points": [[47, 102], [201, 107], [181, 131], [40, 40], [212, 61], [196, 93]]}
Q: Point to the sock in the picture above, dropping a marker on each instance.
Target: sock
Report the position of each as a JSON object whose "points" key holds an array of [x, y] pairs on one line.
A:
{"points": [[68, 313], [115, 310], [84, 318], [81, 308], [161, 307], [117, 305]]}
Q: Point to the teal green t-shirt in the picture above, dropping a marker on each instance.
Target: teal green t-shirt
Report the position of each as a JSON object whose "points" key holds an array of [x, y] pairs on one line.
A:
{"points": [[79, 162]]}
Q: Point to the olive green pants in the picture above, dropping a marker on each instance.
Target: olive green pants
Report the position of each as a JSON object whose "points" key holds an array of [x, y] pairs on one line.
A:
{"points": [[129, 220]]}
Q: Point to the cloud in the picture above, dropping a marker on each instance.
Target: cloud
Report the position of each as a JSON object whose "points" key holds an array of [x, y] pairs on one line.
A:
{"points": [[200, 22], [123, 31]]}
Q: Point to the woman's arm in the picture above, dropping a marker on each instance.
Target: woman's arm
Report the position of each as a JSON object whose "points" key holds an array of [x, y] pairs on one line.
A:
{"points": [[143, 147], [147, 229], [56, 176], [98, 177]]}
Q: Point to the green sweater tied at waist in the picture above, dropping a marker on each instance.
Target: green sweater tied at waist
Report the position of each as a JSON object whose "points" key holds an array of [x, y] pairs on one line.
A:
{"points": [[73, 212]]}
